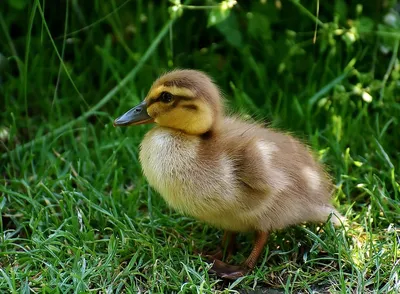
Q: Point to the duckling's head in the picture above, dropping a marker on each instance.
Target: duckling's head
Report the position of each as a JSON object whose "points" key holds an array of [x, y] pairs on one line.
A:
{"points": [[185, 100]]}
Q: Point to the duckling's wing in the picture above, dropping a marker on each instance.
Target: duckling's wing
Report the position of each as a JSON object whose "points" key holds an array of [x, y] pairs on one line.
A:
{"points": [[253, 151], [267, 161]]}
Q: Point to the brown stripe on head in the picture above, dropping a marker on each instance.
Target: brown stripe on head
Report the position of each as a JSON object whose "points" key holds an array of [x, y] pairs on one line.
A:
{"points": [[190, 106], [197, 82]]}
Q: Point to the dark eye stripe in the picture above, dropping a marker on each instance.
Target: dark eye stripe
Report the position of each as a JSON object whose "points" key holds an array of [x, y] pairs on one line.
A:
{"points": [[190, 107], [177, 99]]}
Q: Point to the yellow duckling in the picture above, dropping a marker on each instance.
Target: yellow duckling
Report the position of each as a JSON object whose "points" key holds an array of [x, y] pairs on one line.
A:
{"points": [[229, 173]]}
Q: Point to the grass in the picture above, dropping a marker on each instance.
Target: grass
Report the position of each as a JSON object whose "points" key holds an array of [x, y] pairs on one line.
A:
{"points": [[77, 214]]}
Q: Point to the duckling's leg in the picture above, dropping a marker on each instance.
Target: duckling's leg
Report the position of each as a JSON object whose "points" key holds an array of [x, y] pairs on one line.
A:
{"points": [[228, 244], [232, 272], [259, 243]]}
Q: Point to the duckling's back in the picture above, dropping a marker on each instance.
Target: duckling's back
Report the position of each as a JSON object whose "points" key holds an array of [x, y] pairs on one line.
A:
{"points": [[279, 182]]}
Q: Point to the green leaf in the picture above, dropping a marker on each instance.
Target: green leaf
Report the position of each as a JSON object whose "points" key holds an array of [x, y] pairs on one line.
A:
{"points": [[341, 9], [18, 4], [365, 24], [230, 29], [217, 16], [259, 26], [388, 40]]}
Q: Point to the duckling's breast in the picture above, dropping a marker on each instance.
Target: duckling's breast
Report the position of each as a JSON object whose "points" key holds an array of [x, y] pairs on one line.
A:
{"points": [[205, 190]]}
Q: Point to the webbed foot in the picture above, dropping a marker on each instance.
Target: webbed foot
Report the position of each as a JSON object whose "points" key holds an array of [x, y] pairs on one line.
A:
{"points": [[214, 255], [227, 271]]}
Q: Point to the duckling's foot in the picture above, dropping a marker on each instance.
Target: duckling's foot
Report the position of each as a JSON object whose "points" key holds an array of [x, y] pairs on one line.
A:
{"points": [[214, 255], [233, 272], [227, 271]]}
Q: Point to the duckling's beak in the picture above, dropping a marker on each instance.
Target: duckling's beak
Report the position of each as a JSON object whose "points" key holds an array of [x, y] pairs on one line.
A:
{"points": [[136, 116]]}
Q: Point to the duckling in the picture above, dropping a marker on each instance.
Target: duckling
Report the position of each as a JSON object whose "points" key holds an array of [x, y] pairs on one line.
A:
{"points": [[230, 173]]}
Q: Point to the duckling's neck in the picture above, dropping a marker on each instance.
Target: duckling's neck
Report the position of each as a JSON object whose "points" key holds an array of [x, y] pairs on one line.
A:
{"points": [[182, 134], [211, 132]]}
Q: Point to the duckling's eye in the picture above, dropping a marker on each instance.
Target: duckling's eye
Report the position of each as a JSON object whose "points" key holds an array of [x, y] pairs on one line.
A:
{"points": [[165, 97]]}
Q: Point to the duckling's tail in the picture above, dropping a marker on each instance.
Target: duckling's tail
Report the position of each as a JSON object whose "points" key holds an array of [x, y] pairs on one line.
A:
{"points": [[328, 212], [336, 218]]}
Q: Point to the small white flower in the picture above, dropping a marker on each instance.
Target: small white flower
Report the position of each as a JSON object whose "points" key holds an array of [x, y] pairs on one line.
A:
{"points": [[366, 97], [390, 19], [351, 36], [4, 134]]}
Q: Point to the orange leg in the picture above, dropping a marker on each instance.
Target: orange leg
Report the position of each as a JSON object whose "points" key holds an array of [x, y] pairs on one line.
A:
{"points": [[259, 243], [233, 272], [229, 243]]}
